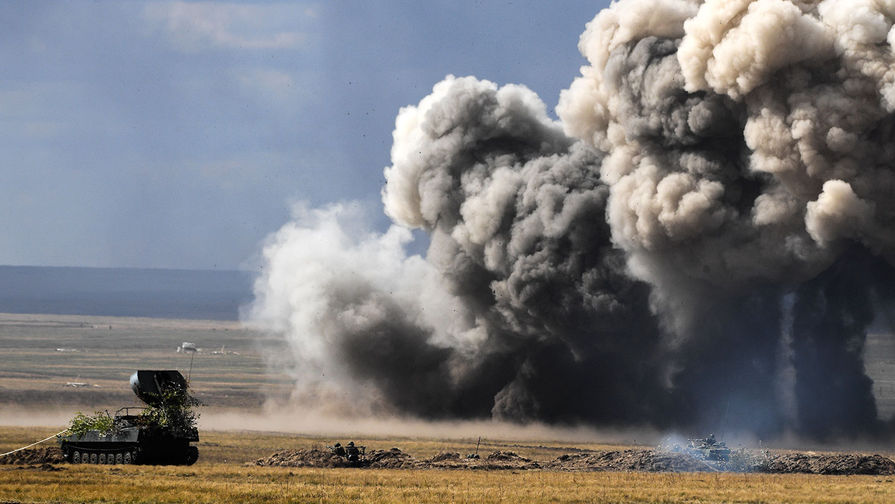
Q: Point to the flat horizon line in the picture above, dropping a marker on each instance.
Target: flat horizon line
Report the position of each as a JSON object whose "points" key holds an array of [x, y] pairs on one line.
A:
{"points": [[130, 268]]}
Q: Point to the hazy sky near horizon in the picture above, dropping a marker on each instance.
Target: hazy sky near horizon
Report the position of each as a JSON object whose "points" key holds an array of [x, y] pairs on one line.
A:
{"points": [[178, 134]]}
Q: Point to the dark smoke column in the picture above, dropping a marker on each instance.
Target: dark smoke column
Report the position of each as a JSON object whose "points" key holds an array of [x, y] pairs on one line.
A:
{"points": [[516, 212], [832, 314], [749, 154]]}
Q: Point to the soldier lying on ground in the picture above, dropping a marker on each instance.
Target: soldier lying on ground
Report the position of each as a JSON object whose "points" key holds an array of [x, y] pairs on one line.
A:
{"points": [[338, 449]]}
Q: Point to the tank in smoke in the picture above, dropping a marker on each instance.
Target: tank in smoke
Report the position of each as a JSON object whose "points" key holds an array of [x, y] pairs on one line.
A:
{"points": [[159, 434], [709, 448]]}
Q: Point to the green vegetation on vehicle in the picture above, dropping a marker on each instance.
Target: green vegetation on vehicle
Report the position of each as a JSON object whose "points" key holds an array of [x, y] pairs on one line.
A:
{"points": [[160, 433]]}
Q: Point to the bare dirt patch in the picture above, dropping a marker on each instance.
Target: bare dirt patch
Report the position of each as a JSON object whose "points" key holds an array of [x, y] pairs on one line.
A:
{"points": [[34, 456]]}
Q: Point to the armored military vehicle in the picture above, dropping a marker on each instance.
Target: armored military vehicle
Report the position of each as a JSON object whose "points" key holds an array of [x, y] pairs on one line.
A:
{"points": [[709, 449], [158, 434]]}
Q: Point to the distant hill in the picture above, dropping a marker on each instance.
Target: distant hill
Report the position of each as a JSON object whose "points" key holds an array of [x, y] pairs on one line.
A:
{"points": [[124, 292]]}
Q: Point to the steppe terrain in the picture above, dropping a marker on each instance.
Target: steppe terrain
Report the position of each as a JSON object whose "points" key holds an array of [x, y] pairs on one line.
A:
{"points": [[46, 356], [42, 354]]}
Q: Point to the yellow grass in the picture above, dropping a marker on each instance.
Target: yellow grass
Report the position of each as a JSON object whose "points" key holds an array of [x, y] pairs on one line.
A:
{"points": [[214, 480], [233, 483]]}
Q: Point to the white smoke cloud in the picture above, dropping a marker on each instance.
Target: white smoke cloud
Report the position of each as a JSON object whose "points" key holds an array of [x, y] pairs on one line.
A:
{"points": [[325, 275], [803, 124], [732, 47], [837, 213]]}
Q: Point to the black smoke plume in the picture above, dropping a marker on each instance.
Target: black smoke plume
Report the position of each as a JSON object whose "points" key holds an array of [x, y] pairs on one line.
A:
{"points": [[710, 218]]}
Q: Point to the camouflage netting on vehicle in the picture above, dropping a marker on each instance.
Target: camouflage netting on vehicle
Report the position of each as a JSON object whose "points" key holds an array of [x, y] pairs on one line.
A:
{"points": [[173, 411], [170, 408], [101, 421], [51, 455]]}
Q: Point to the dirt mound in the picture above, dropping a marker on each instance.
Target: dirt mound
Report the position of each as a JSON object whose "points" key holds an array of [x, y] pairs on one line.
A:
{"points": [[630, 460], [741, 460], [441, 457], [394, 458], [497, 460], [449, 460], [313, 457], [34, 456], [503, 456], [845, 463], [390, 459]]}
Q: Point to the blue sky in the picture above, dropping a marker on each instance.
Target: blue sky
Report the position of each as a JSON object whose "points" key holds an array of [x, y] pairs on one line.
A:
{"points": [[178, 134]]}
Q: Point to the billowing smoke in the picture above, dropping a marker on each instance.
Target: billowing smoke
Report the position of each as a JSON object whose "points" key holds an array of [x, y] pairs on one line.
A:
{"points": [[701, 239]]}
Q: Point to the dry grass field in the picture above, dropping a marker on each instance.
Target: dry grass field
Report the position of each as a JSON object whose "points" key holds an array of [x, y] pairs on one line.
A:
{"points": [[228, 483], [225, 474], [42, 353]]}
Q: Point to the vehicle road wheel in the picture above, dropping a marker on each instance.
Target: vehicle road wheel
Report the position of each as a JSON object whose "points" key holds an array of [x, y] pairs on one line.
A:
{"points": [[76, 457], [119, 458], [93, 458], [102, 458], [127, 458]]}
